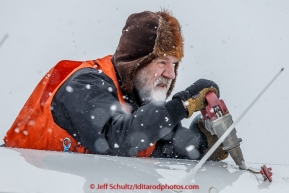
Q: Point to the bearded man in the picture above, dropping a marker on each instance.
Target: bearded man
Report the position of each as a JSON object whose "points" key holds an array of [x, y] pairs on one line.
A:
{"points": [[116, 105]]}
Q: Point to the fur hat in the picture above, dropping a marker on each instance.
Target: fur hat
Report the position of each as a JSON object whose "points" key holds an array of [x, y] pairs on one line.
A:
{"points": [[145, 36]]}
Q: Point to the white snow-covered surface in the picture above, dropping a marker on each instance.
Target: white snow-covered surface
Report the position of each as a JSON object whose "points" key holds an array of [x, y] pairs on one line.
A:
{"points": [[32, 171], [240, 45]]}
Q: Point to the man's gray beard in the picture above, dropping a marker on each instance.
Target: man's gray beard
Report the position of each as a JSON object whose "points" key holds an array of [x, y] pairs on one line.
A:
{"points": [[147, 92]]}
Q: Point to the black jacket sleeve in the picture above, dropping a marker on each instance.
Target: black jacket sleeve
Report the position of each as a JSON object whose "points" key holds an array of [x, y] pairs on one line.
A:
{"points": [[87, 107]]}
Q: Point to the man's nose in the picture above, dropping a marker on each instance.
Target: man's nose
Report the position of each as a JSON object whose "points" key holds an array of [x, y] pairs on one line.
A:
{"points": [[169, 71]]}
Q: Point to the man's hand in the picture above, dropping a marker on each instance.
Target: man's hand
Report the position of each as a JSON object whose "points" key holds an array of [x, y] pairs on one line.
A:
{"points": [[194, 96]]}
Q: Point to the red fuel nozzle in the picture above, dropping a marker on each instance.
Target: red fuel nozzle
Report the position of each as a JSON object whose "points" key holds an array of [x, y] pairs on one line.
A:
{"points": [[266, 173], [214, 107]]}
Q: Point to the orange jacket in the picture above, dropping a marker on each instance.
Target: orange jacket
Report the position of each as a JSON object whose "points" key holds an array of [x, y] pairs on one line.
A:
{"points": [[34, 127]]}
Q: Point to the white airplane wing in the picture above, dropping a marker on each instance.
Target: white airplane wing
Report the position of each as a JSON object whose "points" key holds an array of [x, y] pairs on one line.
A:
{"points": [[24, 170]]}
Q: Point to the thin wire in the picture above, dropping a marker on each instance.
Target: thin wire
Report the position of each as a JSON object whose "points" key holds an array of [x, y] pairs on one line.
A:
{"points": [[188, 178]]}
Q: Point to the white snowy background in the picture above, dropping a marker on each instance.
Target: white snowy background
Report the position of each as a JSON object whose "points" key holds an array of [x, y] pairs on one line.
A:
{"points": [[240, 45]]}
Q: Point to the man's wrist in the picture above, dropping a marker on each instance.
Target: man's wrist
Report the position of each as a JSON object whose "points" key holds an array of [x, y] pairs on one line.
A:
{"points": [[189, 106], [176, 110]]}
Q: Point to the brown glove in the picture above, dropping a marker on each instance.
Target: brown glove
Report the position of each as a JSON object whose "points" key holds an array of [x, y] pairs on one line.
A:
{"points": [[193, 97], [219, 153], [198, 102]]}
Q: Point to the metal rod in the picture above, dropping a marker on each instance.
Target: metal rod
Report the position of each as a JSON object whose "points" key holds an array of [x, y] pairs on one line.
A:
{"points": [[3, 39], [188, 178]]}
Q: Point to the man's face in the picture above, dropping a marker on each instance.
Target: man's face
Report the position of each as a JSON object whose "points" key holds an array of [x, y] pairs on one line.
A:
{"points": [[153, 81]]}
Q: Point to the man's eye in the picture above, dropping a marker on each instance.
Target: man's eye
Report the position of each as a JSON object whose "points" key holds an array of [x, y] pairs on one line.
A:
{"points": [[162, 62]]}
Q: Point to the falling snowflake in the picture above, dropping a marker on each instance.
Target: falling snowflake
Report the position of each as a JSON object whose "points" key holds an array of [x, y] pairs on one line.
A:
{"points": [[113, 107], [186, 103], [116, 145], [69, 89], [92, 117], [109, 89], [16, 130], [166, 119], [25, 132], [101, 145], [87, 86], [190, 148], [142, 140], [31, 122], [47, 76]]}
